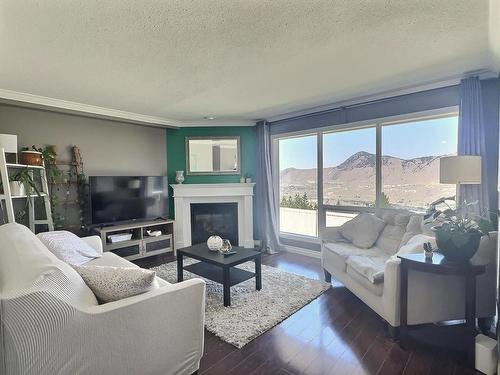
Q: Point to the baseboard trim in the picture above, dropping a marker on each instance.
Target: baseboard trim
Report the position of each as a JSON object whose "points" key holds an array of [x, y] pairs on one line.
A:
{"points": [[301, 251]]}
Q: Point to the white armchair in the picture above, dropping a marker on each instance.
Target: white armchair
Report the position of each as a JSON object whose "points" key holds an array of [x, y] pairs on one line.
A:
{"points": [[51, 322]]}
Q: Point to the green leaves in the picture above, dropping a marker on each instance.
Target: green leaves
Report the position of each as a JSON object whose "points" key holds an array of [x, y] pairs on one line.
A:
{"points": [[461, 220], [24, 177]]}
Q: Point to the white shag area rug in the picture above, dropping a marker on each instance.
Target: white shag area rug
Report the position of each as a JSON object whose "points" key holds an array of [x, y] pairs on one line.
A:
{"points": [[252, 312]]}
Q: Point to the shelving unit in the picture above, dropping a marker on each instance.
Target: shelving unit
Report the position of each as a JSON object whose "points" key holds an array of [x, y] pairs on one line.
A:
{"points": [[141, 245], [7, 199]]}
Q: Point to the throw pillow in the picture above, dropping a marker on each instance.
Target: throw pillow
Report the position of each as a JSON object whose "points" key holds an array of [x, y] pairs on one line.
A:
{"points": [[115, 283], [416, 244], [396, 222], [413, 228], [363, 230], [68, 247]]}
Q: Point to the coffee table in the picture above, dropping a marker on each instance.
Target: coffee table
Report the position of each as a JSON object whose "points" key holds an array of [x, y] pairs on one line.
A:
{"points": [[219, 268]]}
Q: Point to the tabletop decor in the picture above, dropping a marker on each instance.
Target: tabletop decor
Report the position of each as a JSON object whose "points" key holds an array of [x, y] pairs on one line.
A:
{"points": [[179, 177], [214, 243], [226, 246], [428, 250], [459, 231]]}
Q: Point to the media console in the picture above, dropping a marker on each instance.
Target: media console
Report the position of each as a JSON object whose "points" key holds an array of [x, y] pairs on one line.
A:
{"points": [[141, 245]]}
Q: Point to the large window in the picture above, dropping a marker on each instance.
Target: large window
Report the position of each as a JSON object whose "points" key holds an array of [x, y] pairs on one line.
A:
{"points": [[410, 162], [349, 162], [298, 185], [363, 167]]}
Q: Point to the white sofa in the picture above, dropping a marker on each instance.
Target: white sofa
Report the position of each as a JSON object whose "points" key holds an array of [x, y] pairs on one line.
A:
{"points": [[432, 298], [51, 323]]}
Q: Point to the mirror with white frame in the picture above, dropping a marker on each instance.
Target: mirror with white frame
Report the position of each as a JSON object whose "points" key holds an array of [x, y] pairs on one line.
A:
{"points": [[209, 155]]}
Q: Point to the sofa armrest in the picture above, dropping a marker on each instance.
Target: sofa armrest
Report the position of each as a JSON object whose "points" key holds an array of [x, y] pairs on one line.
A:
{"points": [[95, 242], [392, 285], [331, 234], [161, 330]]}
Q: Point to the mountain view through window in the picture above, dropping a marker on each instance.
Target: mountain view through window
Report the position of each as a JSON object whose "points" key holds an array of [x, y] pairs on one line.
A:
{"points": [[409, 173]]}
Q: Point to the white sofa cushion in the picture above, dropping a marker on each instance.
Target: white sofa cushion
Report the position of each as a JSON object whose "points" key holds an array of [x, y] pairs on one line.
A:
{"points": [[25, 261], [363, 230], [343, 250], [416, 244], [371, 267], [395, 227], [68, 247], [115, 283]]}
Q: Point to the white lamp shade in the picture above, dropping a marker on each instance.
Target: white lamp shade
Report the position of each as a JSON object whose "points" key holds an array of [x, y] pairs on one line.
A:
{"points": [[9, 143], [462, 169]]}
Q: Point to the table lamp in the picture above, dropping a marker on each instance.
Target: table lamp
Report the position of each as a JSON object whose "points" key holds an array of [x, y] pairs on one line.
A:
{"points": [[460, 170]]}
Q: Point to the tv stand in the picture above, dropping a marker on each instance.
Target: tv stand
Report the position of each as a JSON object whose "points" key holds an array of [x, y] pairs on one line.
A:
{"points": [[141, 245]]}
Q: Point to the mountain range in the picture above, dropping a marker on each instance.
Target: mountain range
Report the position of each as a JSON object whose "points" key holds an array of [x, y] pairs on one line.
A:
{"points": [[407, 182]]}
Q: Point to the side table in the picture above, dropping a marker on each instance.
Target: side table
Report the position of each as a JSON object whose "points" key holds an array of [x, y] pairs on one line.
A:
{"points": [[456, 337]]}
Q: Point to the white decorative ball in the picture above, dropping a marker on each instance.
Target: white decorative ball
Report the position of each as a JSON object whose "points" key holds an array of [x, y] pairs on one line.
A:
{"points": [[214, 243]]}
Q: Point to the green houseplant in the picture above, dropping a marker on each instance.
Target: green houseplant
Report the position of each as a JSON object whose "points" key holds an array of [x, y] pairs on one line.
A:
{"points": [[458, 231], [24, 178]]}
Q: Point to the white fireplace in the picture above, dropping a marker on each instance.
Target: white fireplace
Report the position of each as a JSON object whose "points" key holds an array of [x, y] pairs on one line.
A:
{"points": [[187, 194]]}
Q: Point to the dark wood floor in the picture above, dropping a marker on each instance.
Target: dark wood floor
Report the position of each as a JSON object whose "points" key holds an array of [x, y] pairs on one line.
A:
{"points": [[334, 334]]}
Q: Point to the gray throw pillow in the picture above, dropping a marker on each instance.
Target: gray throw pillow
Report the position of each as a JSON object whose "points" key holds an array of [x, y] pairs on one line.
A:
{"points": [[363, 230], [115, 283]]}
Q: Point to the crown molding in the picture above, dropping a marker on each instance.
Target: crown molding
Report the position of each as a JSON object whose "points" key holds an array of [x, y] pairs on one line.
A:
{"points": [[59, 105], [435, 84], [65, 106], [213, 123]]}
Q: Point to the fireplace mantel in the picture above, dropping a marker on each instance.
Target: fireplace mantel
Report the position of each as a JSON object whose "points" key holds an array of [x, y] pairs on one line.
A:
{"points": [[240, 193]]}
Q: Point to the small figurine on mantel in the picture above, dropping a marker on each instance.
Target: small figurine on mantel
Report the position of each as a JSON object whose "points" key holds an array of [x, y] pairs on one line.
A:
{"points": [[428, 250]]}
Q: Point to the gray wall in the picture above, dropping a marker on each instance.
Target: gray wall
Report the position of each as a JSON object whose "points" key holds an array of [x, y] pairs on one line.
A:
{"points": [[107, 147]]}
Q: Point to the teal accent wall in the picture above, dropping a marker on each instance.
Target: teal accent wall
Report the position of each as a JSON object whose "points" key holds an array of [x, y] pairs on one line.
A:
{"points": [[176, 155]]}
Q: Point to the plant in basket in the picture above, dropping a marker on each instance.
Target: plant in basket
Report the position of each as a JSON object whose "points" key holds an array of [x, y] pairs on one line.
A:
{"points": [[458, 231]]}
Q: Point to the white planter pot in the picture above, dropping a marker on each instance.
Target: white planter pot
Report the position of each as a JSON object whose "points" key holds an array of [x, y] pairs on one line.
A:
{"points": [[17, 188]]}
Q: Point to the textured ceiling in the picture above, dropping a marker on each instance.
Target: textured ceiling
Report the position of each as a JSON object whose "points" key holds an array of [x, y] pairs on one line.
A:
{"points": [[236, 60]]}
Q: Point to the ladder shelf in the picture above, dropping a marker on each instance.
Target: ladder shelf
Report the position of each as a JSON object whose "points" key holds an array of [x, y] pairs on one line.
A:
{"points": [[8, 198]]}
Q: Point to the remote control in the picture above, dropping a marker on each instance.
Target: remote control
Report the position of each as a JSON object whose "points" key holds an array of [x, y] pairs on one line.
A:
{"points": [[229, 253]]}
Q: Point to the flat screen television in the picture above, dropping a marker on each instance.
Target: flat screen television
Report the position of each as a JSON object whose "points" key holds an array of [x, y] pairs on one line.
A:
{"points": [[126, 198]]}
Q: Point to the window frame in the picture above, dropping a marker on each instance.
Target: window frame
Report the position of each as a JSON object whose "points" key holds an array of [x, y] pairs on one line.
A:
{"points": [[319, 132]]}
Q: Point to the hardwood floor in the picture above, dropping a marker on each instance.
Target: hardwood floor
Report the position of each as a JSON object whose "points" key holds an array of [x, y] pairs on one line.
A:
{"points": [[334, 334]]}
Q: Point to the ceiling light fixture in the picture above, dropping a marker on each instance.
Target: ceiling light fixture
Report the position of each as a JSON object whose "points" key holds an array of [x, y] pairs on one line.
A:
{"points": [[209, 118]]}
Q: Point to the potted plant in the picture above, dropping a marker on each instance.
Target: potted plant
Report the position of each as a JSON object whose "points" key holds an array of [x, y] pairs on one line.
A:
{"points": [[31, 156], [458, 232], [22, 183]]}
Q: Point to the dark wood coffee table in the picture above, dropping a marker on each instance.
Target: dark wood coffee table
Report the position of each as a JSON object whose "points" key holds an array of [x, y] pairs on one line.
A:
{"points": [[219, 268]]}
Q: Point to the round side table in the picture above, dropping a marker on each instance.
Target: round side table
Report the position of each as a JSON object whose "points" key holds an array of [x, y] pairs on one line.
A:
{"points": [[456, 337]]}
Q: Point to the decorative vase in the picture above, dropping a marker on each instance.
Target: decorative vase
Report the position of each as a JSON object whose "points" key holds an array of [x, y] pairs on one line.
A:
{"points": [[226, 247], [31, 158], [179, 177], [457, 246], [214, 243], [17, 188]]}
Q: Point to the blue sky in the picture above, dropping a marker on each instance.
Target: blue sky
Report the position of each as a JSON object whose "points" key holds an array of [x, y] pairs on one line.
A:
{"points": [[406, 141]]}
